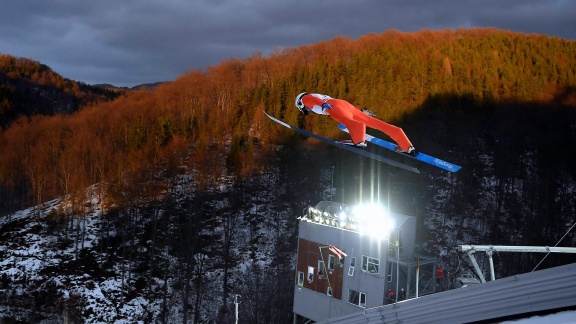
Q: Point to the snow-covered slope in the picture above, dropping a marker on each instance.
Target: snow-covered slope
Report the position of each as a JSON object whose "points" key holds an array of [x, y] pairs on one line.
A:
{"points": [[139, 265]]}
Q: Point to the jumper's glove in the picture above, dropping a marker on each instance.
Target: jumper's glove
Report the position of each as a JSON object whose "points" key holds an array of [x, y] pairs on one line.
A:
{"points": [[326, 106], [368, 112]]}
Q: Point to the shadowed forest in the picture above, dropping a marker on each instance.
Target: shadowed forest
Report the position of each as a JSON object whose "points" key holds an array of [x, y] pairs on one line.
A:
{"points": [[500, 104]]}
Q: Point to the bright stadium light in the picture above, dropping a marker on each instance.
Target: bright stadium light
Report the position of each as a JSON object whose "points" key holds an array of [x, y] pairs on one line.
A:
{"points": [[343, 218], [373, 221]]}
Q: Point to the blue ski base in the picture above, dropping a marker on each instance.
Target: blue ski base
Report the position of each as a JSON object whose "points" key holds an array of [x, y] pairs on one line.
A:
{"points": [[420, 157]]}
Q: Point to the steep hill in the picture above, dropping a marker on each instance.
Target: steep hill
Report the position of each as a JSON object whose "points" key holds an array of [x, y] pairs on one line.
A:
{"points": [[28, 87]]}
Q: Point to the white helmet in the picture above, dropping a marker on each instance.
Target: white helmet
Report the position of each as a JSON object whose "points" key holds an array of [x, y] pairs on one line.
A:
{"points": [[299, 104]]}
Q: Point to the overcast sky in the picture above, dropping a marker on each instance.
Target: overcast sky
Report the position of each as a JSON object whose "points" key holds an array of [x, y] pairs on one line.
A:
{"points": [[130, 42]]}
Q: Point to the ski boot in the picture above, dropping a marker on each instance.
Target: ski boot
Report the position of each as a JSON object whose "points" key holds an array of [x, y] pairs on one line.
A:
{"points": [[349, 142], [411, 150]]}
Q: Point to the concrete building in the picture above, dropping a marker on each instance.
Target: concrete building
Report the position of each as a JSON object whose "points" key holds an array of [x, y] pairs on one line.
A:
{"points": [[349, 258]]}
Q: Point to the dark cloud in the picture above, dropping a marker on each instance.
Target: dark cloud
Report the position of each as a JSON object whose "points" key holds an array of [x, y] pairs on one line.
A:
{"points": [[131, 42]]}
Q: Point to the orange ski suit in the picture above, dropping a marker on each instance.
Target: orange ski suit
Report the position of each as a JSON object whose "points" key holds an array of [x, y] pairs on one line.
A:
{"points": [[354, 119]]}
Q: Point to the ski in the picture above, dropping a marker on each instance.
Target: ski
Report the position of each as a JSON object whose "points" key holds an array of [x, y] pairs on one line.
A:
{"points": [[420, 157], [346, 147]]}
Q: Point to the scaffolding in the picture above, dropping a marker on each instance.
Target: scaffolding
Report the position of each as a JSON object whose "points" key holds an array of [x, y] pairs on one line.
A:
{"points": [[490, 249]]}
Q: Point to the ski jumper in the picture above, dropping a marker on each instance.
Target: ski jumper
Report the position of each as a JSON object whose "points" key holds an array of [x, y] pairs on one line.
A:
{"points": [[354, 119]]}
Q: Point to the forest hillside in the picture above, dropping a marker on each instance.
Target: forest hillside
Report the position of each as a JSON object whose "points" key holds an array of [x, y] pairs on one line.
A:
{"points": [[190, 179], [400, 76], [29, 88]]}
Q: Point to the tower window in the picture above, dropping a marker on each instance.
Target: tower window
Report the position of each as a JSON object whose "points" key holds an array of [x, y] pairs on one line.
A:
{"points": [[320, 268], [352, 266], [370, 264], [310, 274], [357, 298], [300, 278], [331, 262]]}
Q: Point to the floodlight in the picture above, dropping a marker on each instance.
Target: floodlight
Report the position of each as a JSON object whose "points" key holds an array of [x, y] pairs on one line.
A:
{"points": [[373, 221], [342, 217]]}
